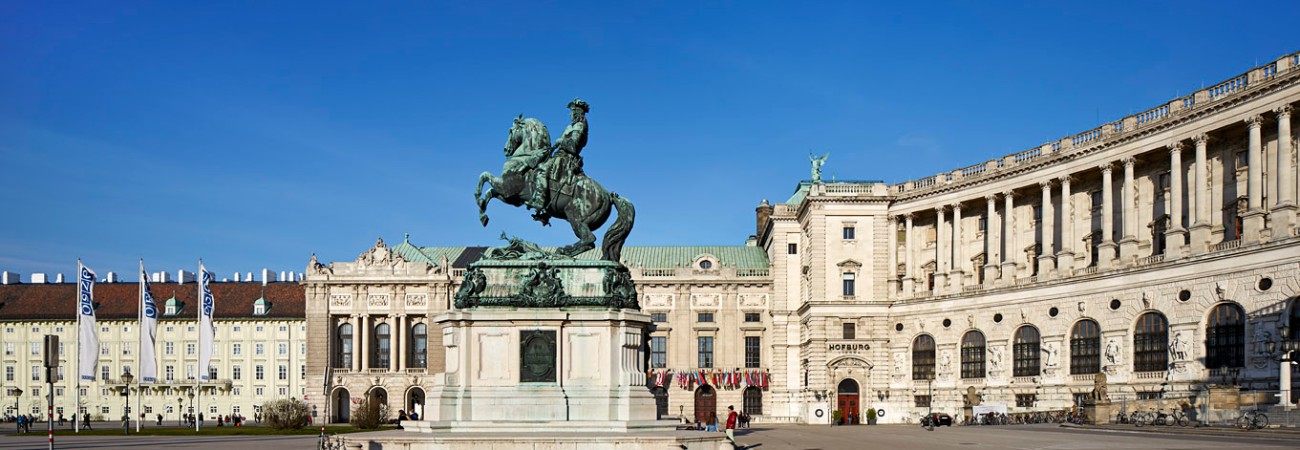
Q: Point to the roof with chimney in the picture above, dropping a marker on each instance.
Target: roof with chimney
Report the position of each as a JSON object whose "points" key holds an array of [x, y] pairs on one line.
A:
{"points": [[232, 300]]}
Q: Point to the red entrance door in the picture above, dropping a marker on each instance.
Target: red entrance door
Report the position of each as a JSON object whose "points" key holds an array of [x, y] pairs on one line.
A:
{"points": [[848, 405], [706, 403]]}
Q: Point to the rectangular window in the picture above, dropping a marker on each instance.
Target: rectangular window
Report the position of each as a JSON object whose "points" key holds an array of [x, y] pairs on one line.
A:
{"points": [[922, 401], [849, 285], [283, 349], [103, 373], [1026, 400], [792, 249], [658, 352], [1148, 395], [171, 373], [9, 348], [704, 317], [9, 373], [103, 349], [36, 348], [850, 331], [283, 372], [169, 349], [189, 349], [984, 224], [260, 349], [753, 317], [237, 373], [36, 373], [1163, 181], [259, 373], [753, 352], [850, 232], [1241, 160], [706, 352], [237, 349], [189, 371], [1038, 213], [659, 317]]}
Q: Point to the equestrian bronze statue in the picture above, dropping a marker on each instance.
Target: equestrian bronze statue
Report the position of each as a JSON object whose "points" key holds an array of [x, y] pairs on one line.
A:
{"points": [[548, 179]]}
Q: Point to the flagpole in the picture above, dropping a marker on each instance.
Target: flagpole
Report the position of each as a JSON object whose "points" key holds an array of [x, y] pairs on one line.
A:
{"points": [[76, 376], [198, 393], [139, 348]]}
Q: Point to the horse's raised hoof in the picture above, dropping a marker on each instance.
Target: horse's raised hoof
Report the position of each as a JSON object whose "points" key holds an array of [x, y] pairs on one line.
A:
{"points": [[483, 219]]}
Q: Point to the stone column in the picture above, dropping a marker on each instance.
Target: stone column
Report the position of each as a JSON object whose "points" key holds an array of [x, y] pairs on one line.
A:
{"points": [[355, 321], [1284, 211], [1009, 237], [957, 275], [1106, 249], [940, 252], [1176, 235], [1128, 243], [393, 332], [364, 329], [909, 263], [1253, 220], [1200, 232], [891, 224], [1065, 258], [1047, 254], [992, 240], [399, 343]]}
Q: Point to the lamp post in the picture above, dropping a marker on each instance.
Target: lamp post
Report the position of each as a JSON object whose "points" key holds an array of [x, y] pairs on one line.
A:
{"points": [[18, 393], [196, 420], [180, 411], [126, 378], [1286, 346]]}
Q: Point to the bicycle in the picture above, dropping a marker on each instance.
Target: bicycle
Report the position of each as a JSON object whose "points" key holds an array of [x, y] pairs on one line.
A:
{"points": [[1140, 418], [1121, 418], [330, 442], [1252, 420], [1178, 417]]}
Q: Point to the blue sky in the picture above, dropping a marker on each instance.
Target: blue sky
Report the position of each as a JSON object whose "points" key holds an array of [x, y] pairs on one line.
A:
{"points": [[252, 134]]}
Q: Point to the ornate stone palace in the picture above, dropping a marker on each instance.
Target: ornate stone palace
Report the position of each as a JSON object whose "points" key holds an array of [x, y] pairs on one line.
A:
{"points": [[1160, 249]]}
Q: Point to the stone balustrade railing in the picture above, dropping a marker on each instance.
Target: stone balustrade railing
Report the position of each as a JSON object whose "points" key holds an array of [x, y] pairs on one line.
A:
{"points": [[1199, 99], [674, 272]]}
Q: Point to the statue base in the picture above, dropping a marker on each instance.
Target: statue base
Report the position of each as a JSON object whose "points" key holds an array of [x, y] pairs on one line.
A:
{"points": [[1098, 413], [547, 283]]}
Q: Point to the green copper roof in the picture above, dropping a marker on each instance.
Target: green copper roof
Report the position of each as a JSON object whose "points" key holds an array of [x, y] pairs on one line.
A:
{"points": [[799, 193], [733, 256]]}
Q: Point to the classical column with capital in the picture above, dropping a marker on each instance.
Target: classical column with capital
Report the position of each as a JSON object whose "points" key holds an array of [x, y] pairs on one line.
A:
{"points": [[1065, 258], [940, 253], [992, 239], [1128, 244], [957, 275], [891, 224], [1284, 211], [909, 263], [1106, 249], [355, 321], [1047, 255], [1008, 238], [399, 344], [1253, 220], [1200, 231], [1176, 235], [365, 341]]}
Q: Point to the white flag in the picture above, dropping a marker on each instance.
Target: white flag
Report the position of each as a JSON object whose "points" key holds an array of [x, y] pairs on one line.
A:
{"points": [[87, 342], [207, 330], [148, 330]]}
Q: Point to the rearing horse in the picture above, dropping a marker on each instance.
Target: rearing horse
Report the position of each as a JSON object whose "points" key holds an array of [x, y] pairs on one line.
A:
{"points": [[577, 199]]}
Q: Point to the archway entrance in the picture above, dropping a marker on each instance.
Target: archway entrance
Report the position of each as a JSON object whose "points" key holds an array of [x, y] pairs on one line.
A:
{"points": [[379, 395], [753, 401], [415, 402], [342, 406], [706, 402], [848, 400], [661, 402]]}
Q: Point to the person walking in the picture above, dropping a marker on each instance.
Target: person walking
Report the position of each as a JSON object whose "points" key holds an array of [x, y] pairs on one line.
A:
{"points": [[713, 422], [85, 419], [731, 423]]}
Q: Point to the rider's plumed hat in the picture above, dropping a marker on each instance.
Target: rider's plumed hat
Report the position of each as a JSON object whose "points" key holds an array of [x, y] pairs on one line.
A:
{"points": [[578, 103]]}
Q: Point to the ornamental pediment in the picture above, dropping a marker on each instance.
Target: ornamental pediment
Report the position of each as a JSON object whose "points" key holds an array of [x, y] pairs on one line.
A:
{"points": [[849, 264]]}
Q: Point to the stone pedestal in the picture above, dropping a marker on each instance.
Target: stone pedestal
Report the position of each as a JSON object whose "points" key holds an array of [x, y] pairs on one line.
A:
{"points": [[1098, 413]]}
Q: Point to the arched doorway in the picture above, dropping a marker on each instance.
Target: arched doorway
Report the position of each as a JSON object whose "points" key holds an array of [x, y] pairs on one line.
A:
{"points": [[415, 401], [661, 401], [706, 402], [342, 406], [847, 400], [752, 401], [379, 395]]}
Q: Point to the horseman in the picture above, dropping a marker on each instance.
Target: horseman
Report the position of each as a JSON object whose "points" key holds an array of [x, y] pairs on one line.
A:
{"points": [[565, 162]]}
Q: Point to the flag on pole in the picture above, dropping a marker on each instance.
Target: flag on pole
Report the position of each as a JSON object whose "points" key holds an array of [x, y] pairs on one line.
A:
{"points": [[148, 330], [207, 330], [87, 341]]}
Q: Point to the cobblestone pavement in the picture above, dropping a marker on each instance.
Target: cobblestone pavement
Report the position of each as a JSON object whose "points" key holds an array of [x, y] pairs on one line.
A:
{"points": [[786, 437]]}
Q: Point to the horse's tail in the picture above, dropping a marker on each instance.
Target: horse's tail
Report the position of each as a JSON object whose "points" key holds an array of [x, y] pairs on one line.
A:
{"points": [[612, 247]]}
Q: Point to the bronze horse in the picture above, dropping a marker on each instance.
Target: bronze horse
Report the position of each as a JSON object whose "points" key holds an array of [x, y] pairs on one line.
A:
{"points": [[573, 197]]}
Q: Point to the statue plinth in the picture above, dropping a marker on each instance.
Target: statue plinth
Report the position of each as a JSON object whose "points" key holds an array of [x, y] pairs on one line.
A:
{"points": [[547, 283], [1097, 412]]}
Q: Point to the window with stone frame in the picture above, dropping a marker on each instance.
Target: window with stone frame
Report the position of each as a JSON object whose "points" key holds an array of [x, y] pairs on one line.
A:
{"points": [[658, 352], [1027, 352], [792, 248], [1085, 348], [1026, 400], [923, 357], [849, 286], [379, 355], [972, 355], [1225, 337], [921, 401], [705, 352], [659, 317], [1151, 343], [753, 317], [342, 346], [753, 352], [704, 317], [850, 330], [419, 346], [849, 232]]}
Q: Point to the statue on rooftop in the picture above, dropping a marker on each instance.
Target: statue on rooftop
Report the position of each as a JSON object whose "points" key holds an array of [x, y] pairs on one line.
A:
{"points": [[817, 166], [549, 180]]}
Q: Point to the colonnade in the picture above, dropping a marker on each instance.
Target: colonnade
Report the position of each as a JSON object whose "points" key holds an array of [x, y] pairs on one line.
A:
{"points": [[1047, 258], [364, 327]]}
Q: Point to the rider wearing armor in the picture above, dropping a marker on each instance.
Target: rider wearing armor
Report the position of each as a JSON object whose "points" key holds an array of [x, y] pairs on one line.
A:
{"points": [[566, 158]]}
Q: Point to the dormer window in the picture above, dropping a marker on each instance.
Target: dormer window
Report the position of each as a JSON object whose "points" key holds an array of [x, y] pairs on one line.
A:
{"points": [[173, 307], [706, 264], [261, 306]]}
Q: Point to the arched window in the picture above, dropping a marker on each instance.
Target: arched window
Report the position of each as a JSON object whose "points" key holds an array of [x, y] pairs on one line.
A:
{"points": [[1085, 348], [752, 401], [972, 355], [383, 339], [1026, 350], [419, 346], [343, 346], [1225, 337], [1151, 343], [661, 401], [923, 358]]}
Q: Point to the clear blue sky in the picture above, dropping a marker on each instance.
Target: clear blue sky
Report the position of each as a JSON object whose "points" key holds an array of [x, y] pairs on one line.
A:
{"points": [[254, 134]]}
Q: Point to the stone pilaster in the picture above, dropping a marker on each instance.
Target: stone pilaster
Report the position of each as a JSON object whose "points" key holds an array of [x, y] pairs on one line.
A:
{"points": [[1065, 258], [992, 238], [940, 252], [1008, 238], [957, 276], [1284, 211], [1128, 243], [1200, 231], [1253, 220], [1047, 256], [891, 224], [909, 263], [1107, 247]]}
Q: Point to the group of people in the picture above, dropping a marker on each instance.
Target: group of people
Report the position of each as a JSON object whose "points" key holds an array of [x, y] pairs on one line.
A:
{"points": [[24, 421], [402, 415], [734, 420]]}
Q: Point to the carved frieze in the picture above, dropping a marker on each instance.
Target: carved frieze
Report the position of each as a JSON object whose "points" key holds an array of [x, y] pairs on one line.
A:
{"points": [[659, 301], [706, 300], [377, 300], [753, 300], [341, 300], [417, 299]]}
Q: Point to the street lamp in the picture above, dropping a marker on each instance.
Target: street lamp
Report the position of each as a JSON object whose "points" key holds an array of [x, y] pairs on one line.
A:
{"points": [[126, 378], [191, 396], [180, 411], [18, 393]]}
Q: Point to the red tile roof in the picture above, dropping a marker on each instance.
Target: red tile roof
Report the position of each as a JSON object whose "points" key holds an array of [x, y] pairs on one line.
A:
{"points": [[233, 300]]}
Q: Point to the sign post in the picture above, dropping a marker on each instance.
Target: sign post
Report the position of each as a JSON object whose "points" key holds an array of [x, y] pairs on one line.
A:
{"points": [[51, 371]]}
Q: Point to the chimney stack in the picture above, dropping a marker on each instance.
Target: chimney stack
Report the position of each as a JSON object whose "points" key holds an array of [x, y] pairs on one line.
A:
{"points": [[8, 277], [58, 278], [183, 277], [112, 278], [237, 274], [763, 213], [38, 278], [267, 274]]}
